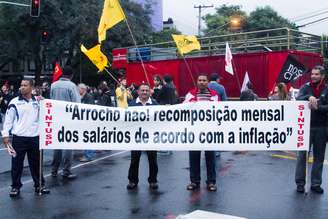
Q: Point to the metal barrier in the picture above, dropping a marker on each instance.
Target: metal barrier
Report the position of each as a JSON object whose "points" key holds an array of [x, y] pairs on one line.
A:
{"points": [[255, 41]]}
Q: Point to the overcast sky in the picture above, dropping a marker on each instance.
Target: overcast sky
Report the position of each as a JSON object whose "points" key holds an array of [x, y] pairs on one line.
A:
{"points": [[185, 16]]}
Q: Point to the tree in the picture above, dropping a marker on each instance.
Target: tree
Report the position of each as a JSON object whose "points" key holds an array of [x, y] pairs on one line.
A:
{"points": [[325, 51], [164, 35], [262, 18], [266, 18], [69, 23], [220, 22]]}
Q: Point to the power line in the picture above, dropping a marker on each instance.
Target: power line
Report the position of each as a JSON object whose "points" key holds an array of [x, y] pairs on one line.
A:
{"points": [[313, 22], [315, 15], [308, 14]]}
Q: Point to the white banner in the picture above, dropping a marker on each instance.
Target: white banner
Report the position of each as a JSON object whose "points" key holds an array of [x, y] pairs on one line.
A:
{"points": [[227, 126]]}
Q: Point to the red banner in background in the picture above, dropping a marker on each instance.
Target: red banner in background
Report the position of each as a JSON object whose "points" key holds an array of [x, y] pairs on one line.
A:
{"points": [[263, 69], [119, 58]]}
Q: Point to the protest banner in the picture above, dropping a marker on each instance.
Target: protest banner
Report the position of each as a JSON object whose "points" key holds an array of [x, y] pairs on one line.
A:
{"points": [[226, 126]]}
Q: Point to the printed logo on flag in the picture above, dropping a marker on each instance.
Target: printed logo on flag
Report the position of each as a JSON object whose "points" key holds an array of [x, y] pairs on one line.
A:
{"points": [[291, 70]]}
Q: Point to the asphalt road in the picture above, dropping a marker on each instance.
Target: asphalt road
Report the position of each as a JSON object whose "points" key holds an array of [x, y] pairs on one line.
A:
{"points": [[250, 185]]}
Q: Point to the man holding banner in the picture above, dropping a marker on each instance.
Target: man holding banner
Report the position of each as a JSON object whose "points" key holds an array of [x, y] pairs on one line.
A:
{"points": [[22, 120], [202, 93], [316, 92], [143, 100]]}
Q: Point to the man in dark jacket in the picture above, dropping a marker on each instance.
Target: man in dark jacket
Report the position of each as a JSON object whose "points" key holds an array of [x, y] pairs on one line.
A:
{"points": [[168, 94], [143, 100], [316, 92]]}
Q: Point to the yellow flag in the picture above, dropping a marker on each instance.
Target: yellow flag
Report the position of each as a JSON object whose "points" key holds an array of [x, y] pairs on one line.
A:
{"points": [[96, 56], [186, 43], [112, 14]]}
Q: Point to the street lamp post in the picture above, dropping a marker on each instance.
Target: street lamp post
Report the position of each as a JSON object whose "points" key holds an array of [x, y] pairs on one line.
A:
{"points": [[235, 22]]}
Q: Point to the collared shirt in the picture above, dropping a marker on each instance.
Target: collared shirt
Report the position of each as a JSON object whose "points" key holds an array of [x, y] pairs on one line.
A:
{"points": [[22, 117], [194, 95], [148, 102]]}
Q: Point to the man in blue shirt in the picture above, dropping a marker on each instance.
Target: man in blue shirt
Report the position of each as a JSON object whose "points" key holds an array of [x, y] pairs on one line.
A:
{"points": [[217, 87]]}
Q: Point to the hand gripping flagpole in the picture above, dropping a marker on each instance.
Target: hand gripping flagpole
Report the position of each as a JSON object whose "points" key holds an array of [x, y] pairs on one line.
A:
{"points": [[138, 52]]}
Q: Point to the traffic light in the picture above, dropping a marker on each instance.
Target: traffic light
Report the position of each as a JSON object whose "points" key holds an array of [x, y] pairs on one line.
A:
{"points": [[44, 37], [35, 8]]}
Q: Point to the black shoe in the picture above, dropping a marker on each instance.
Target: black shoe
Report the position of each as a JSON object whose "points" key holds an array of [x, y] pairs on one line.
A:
{"points": [[193, 186], [54, 173], [211, 187], [69, 176], [14, 192], [131, 186], [317, 189], [42, 190], [300, 189], [153, 186]]}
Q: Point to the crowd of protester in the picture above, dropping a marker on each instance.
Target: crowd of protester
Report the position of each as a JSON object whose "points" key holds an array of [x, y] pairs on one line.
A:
{"points": [[164, 92]]}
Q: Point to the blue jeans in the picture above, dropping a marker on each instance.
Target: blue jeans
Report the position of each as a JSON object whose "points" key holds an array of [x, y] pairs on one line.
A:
{"points": [[194, 161], [88, 154]]}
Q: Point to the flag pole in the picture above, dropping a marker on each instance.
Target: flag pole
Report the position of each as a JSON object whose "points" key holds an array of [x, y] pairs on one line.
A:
{"points": [[234, 69], [138, 52], [111, 75], [189, 70], [40, 171], [307, 173]]}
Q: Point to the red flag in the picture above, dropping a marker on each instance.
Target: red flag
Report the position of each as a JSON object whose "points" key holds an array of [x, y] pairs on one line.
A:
{"points": [[57, 72]]}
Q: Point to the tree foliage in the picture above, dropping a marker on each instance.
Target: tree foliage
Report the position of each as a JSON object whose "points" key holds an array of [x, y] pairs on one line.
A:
{"points": [[260, 19], [266, 18], [164, 35], [220, 22], [69, 24]]}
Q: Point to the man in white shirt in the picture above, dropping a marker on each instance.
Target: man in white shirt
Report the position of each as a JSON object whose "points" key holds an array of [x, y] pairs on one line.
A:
{"points": [[22, 120]]}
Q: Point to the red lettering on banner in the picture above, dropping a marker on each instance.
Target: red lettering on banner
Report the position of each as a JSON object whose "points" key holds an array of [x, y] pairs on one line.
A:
{"points": [[300, 123], [48, 130], [48, 121]]}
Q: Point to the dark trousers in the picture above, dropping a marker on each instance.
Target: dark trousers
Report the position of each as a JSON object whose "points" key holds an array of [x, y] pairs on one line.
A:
{"points": [[65, 157], [134, 166], [194, 162], [318, 138], [22, 146]]}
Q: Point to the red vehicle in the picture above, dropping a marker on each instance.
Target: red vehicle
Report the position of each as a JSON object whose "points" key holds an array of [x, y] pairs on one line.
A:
{"points": [[262, 62]]}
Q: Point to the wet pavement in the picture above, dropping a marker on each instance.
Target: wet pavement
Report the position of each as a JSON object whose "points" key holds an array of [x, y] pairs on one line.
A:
{"points": [[250, 185]]}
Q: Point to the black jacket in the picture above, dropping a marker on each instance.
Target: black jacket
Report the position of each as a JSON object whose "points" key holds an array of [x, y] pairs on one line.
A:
{"points": [[167, 95], [87, 99], [319, 116], [105, 99]]}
